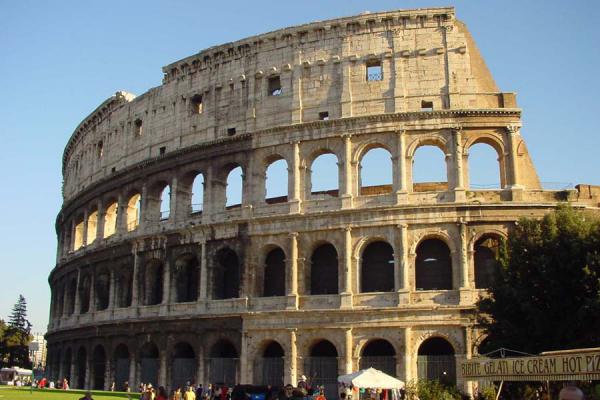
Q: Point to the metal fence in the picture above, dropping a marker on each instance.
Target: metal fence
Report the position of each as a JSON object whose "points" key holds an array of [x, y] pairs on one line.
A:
{"points": [[268, 371], [223, 370], [441, 368], [323, 371], [121, 373], [183, 371], [149, 371]]}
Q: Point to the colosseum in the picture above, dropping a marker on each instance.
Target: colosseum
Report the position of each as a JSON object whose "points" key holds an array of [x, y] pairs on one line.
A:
{"points": [[160, 278]]}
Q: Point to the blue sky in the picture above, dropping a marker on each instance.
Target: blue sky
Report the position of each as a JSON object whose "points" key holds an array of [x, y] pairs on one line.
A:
{"points": [[59, 60]]}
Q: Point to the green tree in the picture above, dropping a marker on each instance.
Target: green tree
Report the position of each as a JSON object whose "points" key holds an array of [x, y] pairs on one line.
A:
{"points": [[17, 336], [547, 293]]}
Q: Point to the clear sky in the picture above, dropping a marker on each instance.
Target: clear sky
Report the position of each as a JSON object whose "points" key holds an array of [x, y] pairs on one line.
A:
{"points": [[60, 59]]}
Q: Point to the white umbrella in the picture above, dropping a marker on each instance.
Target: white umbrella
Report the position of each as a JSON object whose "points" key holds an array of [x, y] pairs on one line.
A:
{"points": [[371, 378]]}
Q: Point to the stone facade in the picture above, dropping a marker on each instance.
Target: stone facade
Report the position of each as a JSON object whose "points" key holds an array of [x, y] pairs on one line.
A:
{"points": [[271, 289]]}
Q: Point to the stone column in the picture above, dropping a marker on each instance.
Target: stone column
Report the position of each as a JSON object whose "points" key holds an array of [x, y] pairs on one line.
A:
{"points": [[296, 87], [77, 306], [166, 300], [132, 372], [291, 368], [346, 95], [88, 370], [400, 186], [121, 215], [346, 188], [294, 192], [463, 255], [457, 156], [174, 210], [402, 265], [108, 378], [513, 132], [244, 366], [162, 371], [404, 362], [200, 366], [92, 308], [348, 364], [467, 385], [292, 287], [135, 301], [100, 221], [111, 290], [347, 292], [86, 216]]}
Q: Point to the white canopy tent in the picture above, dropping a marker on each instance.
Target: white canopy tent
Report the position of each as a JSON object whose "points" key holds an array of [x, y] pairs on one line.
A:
{"points": [[371, 378]]}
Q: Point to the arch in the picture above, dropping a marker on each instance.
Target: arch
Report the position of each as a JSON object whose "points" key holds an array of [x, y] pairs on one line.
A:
{"points": [[324, 174], [183, 366], [133, 213], [486, 260], [71, 294], [149, 363], [84, 294], [322, 366], [102, 290], [165, 203], [81, 364], [92, 227], [429, 168], [110, 219], [276, 180], [78, 237], [375, 170], [226, 275], [324, 270], [268, 367], [198, 186], [377, 267], [121, 367], [274, 274], [435, 361], [222, 364], [379, 354], [123, 286], [98, 367], [66, 364], [235, 187], [153, 282], [433, 265], [186, 275], [484, 165]]}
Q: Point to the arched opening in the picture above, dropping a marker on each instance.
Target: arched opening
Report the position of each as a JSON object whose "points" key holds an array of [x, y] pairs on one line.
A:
{"points": [[123, 286], [134, 207], [379, 354], [153, 283], [198, 194], [149, 364], [84, 294], [121, 367], [222, 364], [183, 368], [268, 368], [435, 361], [78, 238], [324, 180], [81, 368], [226, 275], [376, 172], [484, 167], [92, 227], [377, 268], [433, 266], [60, 301], [165, 203], [98, 368], [66, 365], [186, 275], [71, 294], [102, 290], [429, 171], [110, 220], [324, 270], [235, 185], [276, 182], [274, 277], [487, 264], [322, 366]]}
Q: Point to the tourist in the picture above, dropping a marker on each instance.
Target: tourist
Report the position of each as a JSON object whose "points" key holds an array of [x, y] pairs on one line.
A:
{"points": [[113, 386], [199, 391], [161, 394], [65, 384], [288, 393], [570, 392], [51, 385], [87, 396], [189, 394]]}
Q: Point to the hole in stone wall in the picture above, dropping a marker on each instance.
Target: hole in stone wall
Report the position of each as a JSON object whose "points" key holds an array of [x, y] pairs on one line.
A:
{"points": [[426, 105], [275, 86], [324, 115], [196, 104], [374, 70]]}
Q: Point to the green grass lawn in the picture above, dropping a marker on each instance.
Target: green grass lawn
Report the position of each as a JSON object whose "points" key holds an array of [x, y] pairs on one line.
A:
{"points": [[12, 393]]}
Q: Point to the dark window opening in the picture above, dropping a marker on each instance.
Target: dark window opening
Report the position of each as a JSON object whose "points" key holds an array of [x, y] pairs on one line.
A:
{"points": [[84, 295], [324, 270], [162, 150], [113, 170], [487, 266], [433, 266], [230, 131], [186, 279], [196, 104], [427, 106], [101, 289], [98, 367], [379, 354], [377, 268], [153, 283], [374, 71], [324, 115], [435, 361], [274, 278], [226, 278], [273, 350], [275, 86], [100, 149], [123, 286], [138, 127]]}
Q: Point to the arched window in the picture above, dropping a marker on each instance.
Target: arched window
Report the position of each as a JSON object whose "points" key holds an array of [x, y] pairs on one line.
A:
{"points": [[183, 368], [99, 368], [84, 294], [121, 367], [198, 194], [379, 354], [324, 270], [433, 266], [222, 364], [376, 172], [276, 182], [149, 364], [268, 369], [66, 362], [274, 277], [487, 251], [324, 175], [81, 368], [435, 361], [429, 171], [110, 220], [92, 226], [226, 275], [165, 203], [153, 283], [78, 239], [101, 290], [71, 294], [133, 212], [377, 268], [235, 184], [484, 167], [123, 286], [185, 274], [322, 366]]}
